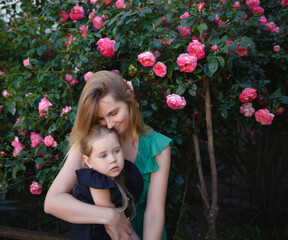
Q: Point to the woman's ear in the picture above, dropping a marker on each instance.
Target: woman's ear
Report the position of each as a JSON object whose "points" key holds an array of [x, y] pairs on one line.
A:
{"points": [[87, 161]]}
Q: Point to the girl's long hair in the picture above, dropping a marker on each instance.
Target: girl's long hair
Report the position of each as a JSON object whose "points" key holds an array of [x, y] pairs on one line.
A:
{"points": [[99, 85]]}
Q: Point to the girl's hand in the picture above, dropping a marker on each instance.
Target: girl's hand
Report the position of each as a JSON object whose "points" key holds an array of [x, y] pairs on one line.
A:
{"points": [[119, 228], [134, 236]]}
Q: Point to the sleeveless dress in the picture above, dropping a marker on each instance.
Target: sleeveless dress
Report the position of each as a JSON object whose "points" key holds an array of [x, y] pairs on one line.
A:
{"points": [[91, 178], [149, 146]]}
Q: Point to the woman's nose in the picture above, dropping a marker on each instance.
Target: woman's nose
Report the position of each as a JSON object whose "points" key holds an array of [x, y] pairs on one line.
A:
{"points": [[110, 123]]}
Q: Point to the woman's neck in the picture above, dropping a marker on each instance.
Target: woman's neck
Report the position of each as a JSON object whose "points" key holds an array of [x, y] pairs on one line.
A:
{"points": [[130, 148]]}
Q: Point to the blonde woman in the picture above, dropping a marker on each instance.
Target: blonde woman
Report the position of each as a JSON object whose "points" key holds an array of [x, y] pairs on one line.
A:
{"points": [[107, 100]]}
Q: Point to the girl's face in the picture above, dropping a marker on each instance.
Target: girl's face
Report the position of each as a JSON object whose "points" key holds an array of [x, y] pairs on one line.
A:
{"points": [[113, 114], [107, 156]]}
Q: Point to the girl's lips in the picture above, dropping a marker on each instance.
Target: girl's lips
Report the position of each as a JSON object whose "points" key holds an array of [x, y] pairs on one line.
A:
{"points": [[114, 169]]}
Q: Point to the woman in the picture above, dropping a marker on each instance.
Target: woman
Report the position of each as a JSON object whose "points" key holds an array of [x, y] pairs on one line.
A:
{"points": [[106, 99]]}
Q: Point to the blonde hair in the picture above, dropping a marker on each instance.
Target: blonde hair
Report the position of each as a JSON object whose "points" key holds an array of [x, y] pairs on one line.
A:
{"points": [[98, 86], [86, 146]]}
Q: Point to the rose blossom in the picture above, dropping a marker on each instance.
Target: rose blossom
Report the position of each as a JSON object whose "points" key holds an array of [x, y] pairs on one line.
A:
{"points": [[248, 94], [71, 80], [262, 20], [5, 93], [77, 13], [84, 30], [160, 69], [115, 71], [106, 47], [63, 16], [247, 110], [66, 110], [184, 31], [35, 188], [36, 139], [71, 39], [214, 48], [25, 15], [260, 100], [97, 22], [284, 3], [258, 10], [147, 59], [252, 3], [241, 51], [93, 1], [106, 2], [276, 48], [87, 76], [17, 146], [43, 107], [129, 84], [196, 49], [236, 6], [264, 117], [26, 62], [120, 4], [279, 110], [186, 62], [48, 140], [201, 6], [185, 15], [175, 101]]}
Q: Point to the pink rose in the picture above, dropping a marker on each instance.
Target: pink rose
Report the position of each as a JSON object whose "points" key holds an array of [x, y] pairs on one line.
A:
{"points": [[2, 153], [184, 31], [120, 4], [262, 20], [248, 94], [106, 47], [84, 30], [175, 101], [35, 188], [63, 16], [93, 1], [48, 140], [26, 62], [129, 84], [115, 71], [71, 80], [5, 93], [264, 117], [241, 51], [71, 39], [201, 6], [160, 69], [284, 3], [270, 26], [17, 146], [247, 110], [185, 15], [186, 62], [260, 100], [43, 107], [236, 6], [276, 48], [252, 3], [54, 144], [97, 22], [147, 59], [87, 76], [196, 49], [65, 111], [36, 139], [38, 166], [106, 2], [258, 10], [279, 110], [25, 15], [214, 48], [77, 13]]}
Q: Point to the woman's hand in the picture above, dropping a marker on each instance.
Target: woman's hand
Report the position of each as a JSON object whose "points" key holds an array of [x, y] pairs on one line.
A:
{"points": [[119, 228]]}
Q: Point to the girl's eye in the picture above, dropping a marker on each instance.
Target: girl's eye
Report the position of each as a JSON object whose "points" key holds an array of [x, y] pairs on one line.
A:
{"points": [[117, 151], [103, 156]]}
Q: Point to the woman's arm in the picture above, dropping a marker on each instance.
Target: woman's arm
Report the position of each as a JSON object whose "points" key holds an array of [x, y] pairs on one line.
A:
{"points": [[154, 217], [60, 203]]}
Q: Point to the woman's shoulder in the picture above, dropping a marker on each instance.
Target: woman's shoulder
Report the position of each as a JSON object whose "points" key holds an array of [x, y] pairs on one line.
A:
{"points": [[152, 139]]}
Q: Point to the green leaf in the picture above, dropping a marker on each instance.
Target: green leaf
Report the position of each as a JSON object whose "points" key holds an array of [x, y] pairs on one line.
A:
{"points": [[213, 66], [284, 99], [202, 27], [192, 92], [11, 107], [181, 90], [221, 61]]}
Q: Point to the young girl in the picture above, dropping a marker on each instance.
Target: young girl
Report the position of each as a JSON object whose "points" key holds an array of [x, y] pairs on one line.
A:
{"points": [[107, 100], [103, 183]]}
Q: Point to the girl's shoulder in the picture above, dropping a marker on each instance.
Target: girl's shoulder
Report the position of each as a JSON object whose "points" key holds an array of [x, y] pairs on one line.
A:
{"points": [[94, 179]]}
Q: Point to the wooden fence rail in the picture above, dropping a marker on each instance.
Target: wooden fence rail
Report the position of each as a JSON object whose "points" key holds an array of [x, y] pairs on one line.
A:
{"points": [[23, 234]]}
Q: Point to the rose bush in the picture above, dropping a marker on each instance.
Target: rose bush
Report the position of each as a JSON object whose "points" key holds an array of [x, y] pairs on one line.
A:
{"points": [[162, 50]]}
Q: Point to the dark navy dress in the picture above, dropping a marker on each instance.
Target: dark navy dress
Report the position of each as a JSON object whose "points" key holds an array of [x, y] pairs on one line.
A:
{"points": [[89, 178]]}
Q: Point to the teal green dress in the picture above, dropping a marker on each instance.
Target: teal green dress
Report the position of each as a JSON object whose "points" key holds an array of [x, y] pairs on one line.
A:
{"points": [[149, 145]]}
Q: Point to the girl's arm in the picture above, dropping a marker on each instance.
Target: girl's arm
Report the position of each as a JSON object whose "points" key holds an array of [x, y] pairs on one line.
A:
{"points": [[154, 217], [60, 203]]}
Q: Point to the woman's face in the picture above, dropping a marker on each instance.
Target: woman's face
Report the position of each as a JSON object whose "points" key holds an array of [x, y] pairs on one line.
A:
{"points": [[113, 114]]}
